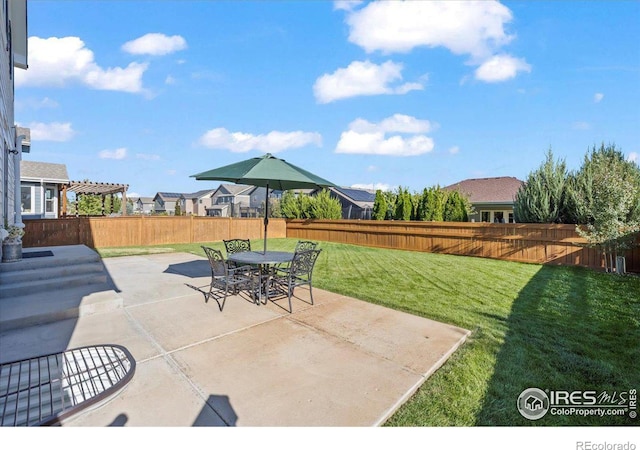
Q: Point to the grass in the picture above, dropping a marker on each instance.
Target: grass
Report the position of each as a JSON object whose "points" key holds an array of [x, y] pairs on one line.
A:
{"points": [[551, 327]]}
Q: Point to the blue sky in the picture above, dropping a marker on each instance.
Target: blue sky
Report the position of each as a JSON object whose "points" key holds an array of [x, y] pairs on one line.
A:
{"points": [[366, 94]]}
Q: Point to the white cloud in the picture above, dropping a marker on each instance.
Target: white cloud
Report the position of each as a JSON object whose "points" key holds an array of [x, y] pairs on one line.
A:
{"points": [[54, 131], [580, 126], [147, 156], [372, 186], [119, 153], [500, 68], [633, 157], [171, 172], [597, 98], [454, 150], [346, 5], [169, 80], [473, 28], [372, 168], [364, 137], [155, 44], [362, 78], [59, 61], [398, 123], [463, 27], [272, 142]]}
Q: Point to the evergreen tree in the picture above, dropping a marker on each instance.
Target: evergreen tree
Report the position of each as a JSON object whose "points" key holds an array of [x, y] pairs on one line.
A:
{"points": [[292, 206], [323, 206], [541, 199], [455, 208], [403, 207], [178, 209], [433, 204], [380, 206], [390, 197]]}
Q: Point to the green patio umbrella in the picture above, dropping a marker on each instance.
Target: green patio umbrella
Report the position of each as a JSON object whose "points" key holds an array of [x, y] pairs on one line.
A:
{"points": [[268, 172]]}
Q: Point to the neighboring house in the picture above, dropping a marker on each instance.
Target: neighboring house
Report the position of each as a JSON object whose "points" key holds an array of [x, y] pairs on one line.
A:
{"points": [[165, 202], [356, 203], [143, 205], [229, 199], [41, 185], [492, 198], [257, 202], [196, 204], [13, 54]]}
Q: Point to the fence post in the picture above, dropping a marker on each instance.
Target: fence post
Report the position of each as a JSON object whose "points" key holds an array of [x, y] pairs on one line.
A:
{"points": [[140, 229], [191, 230]]}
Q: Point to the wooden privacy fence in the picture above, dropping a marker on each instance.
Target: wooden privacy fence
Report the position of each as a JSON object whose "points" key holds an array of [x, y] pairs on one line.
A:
{"points": [[531, 243], [97, 232]]}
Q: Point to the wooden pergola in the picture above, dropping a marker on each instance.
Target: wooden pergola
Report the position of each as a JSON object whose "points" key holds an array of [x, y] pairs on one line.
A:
{"points": [[93, 188]]}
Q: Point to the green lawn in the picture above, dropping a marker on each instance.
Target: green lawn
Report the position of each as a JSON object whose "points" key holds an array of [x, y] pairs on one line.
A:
{"points": [[556, 328]]}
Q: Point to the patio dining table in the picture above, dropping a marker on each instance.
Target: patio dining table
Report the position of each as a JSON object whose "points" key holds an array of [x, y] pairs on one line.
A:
{"points": [[264, 261]]}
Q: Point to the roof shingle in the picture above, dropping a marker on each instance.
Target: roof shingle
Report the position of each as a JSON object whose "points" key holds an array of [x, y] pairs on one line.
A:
{"points": [[488, 190]]}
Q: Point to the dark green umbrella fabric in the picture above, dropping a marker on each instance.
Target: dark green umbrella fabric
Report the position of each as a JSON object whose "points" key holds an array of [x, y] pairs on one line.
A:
{"points": [[266, 171]]}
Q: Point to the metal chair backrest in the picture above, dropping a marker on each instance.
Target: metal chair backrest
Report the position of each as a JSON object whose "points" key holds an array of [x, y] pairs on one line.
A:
{"points": [[303, 262], [305, 245], [217, 262], [237, 245]]}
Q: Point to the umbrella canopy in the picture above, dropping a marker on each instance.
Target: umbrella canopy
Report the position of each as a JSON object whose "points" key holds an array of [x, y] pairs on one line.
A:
{"points": [[269, 172]]}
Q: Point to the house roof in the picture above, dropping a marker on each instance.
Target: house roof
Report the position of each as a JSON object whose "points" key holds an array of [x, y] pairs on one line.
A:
{"points": [[199, 194], [357, 195], [145, 199], [488, 190], [233, 189], [168, 196], [44, 171]]}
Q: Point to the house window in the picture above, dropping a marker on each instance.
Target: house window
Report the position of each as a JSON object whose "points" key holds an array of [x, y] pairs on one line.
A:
{"points": [[511, 220], [26, 199], [486, 216], [50, 200], [498, 217]]}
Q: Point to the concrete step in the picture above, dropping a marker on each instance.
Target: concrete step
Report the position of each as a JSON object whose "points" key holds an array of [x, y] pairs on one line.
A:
{"points": [[56, 284], [42, 307], [62, 256], [50, 273]]}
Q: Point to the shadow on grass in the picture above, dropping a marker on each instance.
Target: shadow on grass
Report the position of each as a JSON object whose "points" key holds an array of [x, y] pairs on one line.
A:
{"points": [[569, 329]]}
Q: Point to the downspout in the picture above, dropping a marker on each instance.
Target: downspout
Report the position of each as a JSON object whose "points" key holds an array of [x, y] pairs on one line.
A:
{"points": [[16, 170]]}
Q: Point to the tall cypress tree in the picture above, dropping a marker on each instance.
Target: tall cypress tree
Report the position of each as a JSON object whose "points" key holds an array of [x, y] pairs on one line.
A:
{"points": [[542, 198], [380, 206]]}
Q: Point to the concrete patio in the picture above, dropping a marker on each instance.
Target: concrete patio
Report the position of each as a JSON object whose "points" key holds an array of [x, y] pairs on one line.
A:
{"points": [[341, 362]]}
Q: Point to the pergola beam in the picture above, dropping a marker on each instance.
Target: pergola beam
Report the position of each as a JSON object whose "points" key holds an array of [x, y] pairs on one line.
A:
{"points": [[102, 189]]}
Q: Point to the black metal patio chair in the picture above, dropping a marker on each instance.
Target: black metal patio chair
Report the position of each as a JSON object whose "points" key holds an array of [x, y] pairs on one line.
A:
{"points": [[236, 246], [226, 279], [300, 246], [299, 273]]}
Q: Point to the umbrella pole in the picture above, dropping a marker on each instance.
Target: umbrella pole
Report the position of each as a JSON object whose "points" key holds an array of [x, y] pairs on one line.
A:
{"points": [[266, 218]]}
